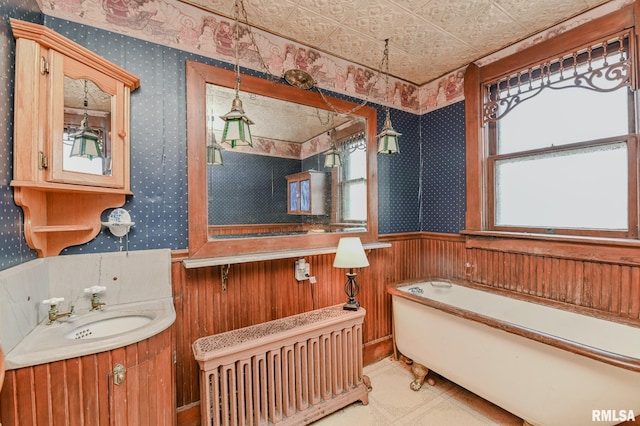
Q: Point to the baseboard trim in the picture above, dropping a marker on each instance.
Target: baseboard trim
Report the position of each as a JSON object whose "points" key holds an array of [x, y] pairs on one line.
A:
{"points": [[377, 350], [189, 415]]}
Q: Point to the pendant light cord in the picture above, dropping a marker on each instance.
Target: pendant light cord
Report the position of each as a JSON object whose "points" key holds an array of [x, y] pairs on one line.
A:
{"points": [[236, 42], [385, 60]]}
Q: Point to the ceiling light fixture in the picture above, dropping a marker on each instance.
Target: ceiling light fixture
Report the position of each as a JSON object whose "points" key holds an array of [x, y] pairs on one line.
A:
{"points": [[388, 138], [332, 157], [214, 150], [86, 142], [236, 127]]}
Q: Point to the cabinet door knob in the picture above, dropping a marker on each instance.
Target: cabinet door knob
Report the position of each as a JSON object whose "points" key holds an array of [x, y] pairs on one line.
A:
{"points": [[118, 374]]}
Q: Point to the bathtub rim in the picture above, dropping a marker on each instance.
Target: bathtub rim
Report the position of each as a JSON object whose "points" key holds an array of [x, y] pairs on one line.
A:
{"points": [[617, 360]]}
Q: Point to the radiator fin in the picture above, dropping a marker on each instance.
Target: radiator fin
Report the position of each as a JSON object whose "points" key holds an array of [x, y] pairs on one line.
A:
{"points": [[269, 388], [288, 376]]}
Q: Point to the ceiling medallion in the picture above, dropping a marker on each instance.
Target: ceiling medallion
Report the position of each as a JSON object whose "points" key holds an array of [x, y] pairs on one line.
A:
{"points": [[300, 79]]}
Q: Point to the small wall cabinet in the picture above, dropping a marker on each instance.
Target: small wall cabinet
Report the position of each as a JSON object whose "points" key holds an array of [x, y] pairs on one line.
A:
{"points": [[306, 193], [61, 89]]}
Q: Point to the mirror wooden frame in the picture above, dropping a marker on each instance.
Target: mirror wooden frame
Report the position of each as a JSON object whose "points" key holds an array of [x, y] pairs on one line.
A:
{"points": [[198, 75]]}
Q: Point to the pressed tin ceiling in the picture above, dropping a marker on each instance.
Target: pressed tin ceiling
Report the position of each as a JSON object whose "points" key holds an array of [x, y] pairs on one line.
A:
{"points": [[428, 38]]}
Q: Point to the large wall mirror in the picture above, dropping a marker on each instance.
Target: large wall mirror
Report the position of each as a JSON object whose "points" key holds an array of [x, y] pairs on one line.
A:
{"points": [[277, 195]]}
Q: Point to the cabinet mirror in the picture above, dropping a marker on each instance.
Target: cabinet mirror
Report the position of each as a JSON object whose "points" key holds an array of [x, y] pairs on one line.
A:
{"points": [[86, 140], [245, 204]]}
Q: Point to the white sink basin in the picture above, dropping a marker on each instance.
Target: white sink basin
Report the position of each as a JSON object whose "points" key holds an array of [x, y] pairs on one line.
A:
{"points": [[90, 332], [108, 327]]}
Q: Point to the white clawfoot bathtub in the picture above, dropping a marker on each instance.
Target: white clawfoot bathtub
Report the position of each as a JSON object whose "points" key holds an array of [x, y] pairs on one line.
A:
{"points": [[547, 366]]}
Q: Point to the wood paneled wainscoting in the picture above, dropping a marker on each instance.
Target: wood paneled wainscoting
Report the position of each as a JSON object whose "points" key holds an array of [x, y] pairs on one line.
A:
{"points": [[263, 291], [606, 283]]}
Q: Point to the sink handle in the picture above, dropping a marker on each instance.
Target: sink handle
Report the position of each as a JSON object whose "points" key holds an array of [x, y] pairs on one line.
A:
{"points": [[53, 301], [95, 289]]}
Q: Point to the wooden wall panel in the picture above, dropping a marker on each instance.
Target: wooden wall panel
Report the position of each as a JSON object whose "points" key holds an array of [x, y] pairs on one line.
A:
{"points": [[607, 287], [262, 291]]}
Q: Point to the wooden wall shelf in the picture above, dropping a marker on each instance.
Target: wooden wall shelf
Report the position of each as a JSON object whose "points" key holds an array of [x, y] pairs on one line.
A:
{"points": [[56, 220]]}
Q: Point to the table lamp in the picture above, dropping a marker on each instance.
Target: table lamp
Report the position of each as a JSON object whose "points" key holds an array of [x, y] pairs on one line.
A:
{"points": [[351, 255]]}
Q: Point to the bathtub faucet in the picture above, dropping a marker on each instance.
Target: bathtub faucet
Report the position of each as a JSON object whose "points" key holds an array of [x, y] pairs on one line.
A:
{"points": [[54, 313]]}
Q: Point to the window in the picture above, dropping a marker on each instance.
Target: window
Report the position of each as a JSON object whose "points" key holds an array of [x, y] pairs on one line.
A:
{"points": [[556, 144], [353, 180]]}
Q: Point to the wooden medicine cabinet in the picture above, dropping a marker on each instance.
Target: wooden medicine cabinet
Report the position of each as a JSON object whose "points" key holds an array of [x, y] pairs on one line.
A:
{"points": [[61, 89], [306, 193]]}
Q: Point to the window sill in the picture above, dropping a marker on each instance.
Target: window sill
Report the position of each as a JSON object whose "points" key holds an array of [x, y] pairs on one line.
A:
{"points": [[610, 250]]}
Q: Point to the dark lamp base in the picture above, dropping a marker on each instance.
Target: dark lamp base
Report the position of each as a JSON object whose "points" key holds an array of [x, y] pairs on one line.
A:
{"points": [[351, 306]]}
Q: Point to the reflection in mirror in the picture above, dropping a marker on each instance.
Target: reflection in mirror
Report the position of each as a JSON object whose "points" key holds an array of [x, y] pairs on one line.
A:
{"points": [[247, 198], [281, 184], [87, 112]]}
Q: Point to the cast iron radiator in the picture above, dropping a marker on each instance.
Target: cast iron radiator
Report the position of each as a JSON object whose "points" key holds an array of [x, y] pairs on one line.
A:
{"points": [[292, 370]]}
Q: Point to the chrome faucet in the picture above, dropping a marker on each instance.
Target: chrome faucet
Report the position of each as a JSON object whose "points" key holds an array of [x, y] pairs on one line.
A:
{"points": [[54, 313], [96, 304]]}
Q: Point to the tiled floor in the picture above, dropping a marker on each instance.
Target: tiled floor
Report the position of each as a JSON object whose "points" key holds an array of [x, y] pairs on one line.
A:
{"points": [[392, 402]]}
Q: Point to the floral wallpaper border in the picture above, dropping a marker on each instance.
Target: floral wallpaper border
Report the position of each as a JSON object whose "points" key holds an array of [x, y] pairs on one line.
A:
{"points": [[192, 29]]}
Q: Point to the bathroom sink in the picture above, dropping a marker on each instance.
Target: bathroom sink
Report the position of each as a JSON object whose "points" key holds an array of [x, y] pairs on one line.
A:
{"points": [[108, 326], [90, 332]]}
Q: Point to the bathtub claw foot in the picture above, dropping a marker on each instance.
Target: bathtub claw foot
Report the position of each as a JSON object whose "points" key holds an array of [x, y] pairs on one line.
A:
{"points": [[420, 373]]}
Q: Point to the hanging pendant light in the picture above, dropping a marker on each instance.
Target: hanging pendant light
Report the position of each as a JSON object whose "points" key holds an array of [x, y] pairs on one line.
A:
{"points": [[214, 155], [236, 127], [214, 150], [86, 142], [388, 138], [332, 157]]}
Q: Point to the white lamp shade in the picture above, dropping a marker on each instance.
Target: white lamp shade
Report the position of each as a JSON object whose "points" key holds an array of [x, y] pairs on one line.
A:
{"points": [[350, 254]]}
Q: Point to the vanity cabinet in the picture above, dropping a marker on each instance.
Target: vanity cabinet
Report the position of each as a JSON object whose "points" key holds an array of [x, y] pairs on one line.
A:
{"points": [[306, 193], [83, 391], [62, 88]]}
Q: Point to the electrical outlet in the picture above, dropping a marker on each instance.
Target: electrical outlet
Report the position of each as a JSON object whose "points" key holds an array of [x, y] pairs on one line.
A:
{"points": [[302, 270]]}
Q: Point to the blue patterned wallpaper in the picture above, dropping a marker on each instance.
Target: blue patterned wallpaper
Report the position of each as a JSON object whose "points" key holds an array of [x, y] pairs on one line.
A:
{"points": [[258, 185], [443, 173], [409, 200], [399, 177], [233, 202]]}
